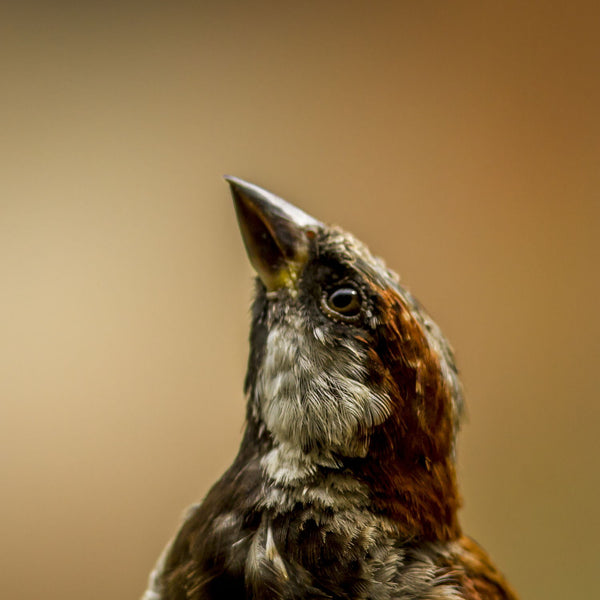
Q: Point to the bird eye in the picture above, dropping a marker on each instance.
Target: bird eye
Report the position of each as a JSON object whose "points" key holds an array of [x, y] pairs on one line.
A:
{"points": [[344, 301]]}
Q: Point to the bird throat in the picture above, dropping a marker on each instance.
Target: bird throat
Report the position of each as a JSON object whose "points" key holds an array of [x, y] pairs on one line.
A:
{"points": [[330, 442], [314, 396]]}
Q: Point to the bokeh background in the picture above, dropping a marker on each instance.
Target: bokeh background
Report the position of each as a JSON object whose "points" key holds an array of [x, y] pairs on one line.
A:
{"points": [[460, 140]]}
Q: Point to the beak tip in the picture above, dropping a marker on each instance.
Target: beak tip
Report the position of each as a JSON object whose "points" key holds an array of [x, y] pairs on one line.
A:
{"points": [[249, 192], [244, 190], [234, 182]]}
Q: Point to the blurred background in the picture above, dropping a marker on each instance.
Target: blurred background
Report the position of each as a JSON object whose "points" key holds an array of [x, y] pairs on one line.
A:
{"points": [[460, 140]]}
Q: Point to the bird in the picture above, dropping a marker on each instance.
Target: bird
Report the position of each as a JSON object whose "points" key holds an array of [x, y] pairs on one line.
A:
{"points": [[344, 486]]}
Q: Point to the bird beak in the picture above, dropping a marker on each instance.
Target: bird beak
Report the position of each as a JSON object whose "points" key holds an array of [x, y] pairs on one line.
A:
{"points": [[276, 234]]}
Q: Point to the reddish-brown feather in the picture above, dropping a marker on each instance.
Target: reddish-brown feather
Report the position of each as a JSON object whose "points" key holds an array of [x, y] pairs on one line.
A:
{"points": [[481, 579], [410, 467]]}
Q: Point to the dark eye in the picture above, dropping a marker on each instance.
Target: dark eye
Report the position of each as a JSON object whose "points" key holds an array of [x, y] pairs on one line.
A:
{"points": [[345, 301]]}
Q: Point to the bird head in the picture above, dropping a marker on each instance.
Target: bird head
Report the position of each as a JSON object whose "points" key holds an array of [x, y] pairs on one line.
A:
{"points": [[345, 365]]}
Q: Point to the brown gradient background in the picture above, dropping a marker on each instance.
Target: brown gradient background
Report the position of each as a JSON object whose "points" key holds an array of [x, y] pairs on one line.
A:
{"points": [[460, 140]]}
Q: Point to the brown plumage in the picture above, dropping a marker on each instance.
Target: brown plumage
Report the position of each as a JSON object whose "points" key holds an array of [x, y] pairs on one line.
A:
{"points": [[345, 484]]}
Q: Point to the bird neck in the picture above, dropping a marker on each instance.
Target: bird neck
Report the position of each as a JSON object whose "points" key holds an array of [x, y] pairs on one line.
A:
{"points": [[418, 497]]}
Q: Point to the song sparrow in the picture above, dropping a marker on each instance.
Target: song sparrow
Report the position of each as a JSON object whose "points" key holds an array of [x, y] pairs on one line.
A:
{"points": [[345, 485]]}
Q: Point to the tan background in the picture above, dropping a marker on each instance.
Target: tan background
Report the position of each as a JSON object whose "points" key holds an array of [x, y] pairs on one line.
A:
{"points": [[460, 140]]}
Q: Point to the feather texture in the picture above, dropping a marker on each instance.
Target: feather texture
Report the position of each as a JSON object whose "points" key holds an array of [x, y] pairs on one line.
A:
{"points": [[345, 485]]}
